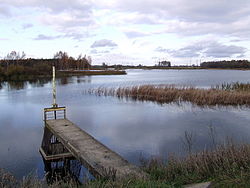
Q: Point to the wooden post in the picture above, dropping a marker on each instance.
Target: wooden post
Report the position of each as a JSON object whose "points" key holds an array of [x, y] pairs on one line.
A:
{"points": [[54, 89]]}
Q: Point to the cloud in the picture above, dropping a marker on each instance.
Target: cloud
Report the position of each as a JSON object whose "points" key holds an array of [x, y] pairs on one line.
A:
{"points": [[5, 11], [77, 35], [67, 20], [74, 36], [189, 10], [103, 43], [27, 26], [124, 18], [156, 22], [212, 49], [161, 49], [186, 17], [135, 34], [63, 15], [221, 51], [94, 51], [55, 6], [46, 37]]}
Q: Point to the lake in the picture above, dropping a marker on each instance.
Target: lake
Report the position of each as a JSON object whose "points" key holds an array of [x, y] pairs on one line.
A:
{"points": [[133, 129]]}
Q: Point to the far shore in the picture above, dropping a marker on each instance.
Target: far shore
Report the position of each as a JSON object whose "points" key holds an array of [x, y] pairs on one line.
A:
{"points": [[90, 72], [184, 68]]}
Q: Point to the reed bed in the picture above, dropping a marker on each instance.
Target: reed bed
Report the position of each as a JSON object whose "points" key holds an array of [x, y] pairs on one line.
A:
{"points": [[228, 160], [235, 86], [172, 94]]}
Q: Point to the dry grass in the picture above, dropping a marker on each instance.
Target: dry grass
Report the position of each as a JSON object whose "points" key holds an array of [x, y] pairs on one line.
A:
{"points": [[7, 180], [236, 86], [169, 93], [228, 160], [227, 165]]}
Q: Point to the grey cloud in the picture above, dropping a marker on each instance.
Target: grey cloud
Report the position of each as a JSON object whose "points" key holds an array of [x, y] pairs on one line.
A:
{"points": [[103, 43], [94, 51], [205, 49], [64, 15], [27, 26], [135, 34], [161, 49], [77, 36], [237, 29], [240, 56], [66, 23], [192, 17], [54, 6], [46, 37], [134, 18], [192, 10], [5, 11], [74, 36], [146, 19], [186, 52], [222, 51]]}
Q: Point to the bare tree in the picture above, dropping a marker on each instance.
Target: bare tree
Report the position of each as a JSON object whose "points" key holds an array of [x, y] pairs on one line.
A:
{"points": [[62, 59]]}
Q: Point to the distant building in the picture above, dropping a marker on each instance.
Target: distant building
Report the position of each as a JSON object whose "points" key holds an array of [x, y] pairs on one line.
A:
{"points": [[164, 64]]}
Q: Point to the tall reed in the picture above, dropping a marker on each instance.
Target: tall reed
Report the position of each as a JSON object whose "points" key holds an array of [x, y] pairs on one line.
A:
{"points": [[170, 93], [227, 160], [235, 86]]}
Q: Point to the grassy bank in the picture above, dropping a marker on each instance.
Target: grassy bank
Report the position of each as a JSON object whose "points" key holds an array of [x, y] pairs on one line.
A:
{"points": [[228, 94], [226, 166]]}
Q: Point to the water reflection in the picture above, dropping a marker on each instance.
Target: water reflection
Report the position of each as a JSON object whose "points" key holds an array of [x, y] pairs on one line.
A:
{"points": [[128, 127], [85, 79], [13, 85], [19, 85], [39, 82], [59, 163], [64, 80], [66, 170]]}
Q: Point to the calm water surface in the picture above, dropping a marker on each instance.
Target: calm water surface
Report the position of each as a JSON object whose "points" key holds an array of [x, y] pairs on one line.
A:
{"points": [[132, 129]]}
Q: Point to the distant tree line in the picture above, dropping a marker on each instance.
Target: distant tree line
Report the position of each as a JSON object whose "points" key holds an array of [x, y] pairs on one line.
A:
{"points": [[16, 66], [164, 64], [226, 64]]}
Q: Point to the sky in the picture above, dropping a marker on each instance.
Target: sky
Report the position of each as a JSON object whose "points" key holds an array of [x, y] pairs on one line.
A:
{"points": [[128, 32]]}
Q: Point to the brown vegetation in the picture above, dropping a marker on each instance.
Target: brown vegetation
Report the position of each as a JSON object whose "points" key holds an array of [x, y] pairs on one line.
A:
{"points": [[92, 72], [236, 86], [226, 166], [228, 160], [170, 93], [15, 67]]}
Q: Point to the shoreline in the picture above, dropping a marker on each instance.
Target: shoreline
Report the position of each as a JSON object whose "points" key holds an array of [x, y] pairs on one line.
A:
{"points": [[186, 68], [211, 166], [61, 74]]}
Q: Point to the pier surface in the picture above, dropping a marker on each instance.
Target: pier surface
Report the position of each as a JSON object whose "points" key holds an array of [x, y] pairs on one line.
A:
{"points": [[99, 159]]}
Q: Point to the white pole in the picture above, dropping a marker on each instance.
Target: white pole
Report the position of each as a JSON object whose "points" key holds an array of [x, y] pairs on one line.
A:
{"points": [[54, 87]]}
